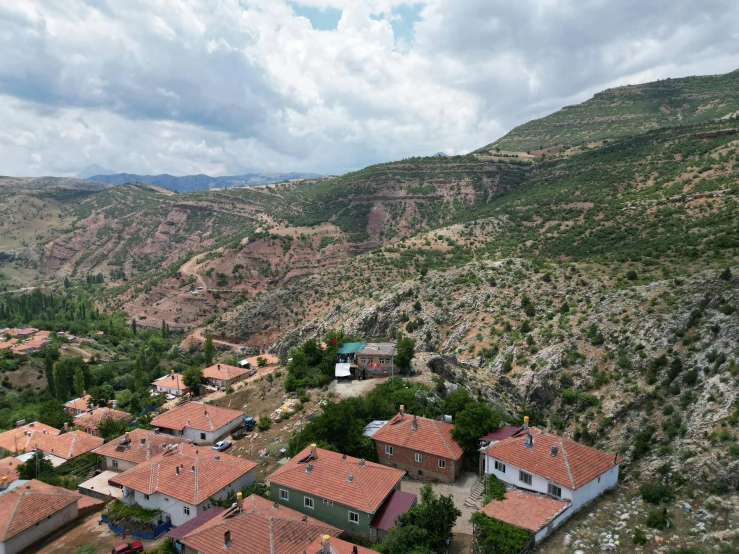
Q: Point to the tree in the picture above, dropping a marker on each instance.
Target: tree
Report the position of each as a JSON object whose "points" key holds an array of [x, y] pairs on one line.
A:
{"points": [[53, 413], [496, 537], [64, 376], [208, 349], [406, 351], [261, 361], [456, 402], [79, 382], [101, 395], [475, 421], [133, 326], [37, 467], [110, 428], [165, 330], [193, 378], [49, 370]]}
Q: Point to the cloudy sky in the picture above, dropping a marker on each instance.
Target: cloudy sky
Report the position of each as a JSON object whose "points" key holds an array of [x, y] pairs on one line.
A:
{"points": [[232, 86]]}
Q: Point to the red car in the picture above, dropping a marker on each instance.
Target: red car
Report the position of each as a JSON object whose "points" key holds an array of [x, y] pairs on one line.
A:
{"points": [[128, 548]]}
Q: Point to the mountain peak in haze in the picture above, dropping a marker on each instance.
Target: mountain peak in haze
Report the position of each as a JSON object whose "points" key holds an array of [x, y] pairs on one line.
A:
{"points": [[92, 170]]}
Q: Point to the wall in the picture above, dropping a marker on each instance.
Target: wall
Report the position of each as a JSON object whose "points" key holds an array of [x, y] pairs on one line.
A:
{"points": [[165, 390], [212, 436], [40, 531], [123, 465], [404, 458], [538, 484], [556, 522], [594, 488]]}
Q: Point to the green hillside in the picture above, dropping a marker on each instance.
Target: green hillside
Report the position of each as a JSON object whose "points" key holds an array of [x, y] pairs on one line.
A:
{"points": [[628, 111]]}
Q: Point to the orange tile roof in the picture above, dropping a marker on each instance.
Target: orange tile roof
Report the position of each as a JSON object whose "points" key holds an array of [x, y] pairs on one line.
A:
{"points": [[9, 469], [93, 418], [574, 465], [25, 506], [225, 372], [369, 487], [432, 437], [527, 510], [7, 344], [79, 404], [210, 475], [136, 451], [68, 445], [21, 438], [259, 529], [171, 381], [196, 415], [338, 546]]}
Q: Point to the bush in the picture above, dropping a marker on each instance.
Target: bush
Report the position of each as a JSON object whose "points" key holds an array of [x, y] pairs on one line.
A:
{"points": [[639, 537], [494, 489], [655, 493], [264, 423], [656, 519]]}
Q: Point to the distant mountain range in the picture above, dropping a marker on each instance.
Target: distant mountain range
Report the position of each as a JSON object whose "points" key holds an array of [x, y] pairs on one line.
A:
{"points": [[92, 170], [189, 183]]}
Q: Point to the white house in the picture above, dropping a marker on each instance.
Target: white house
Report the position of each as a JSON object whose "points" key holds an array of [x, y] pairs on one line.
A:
{"points": [[198, 422], [134, 448], [170, 384], [181, 481], [547, 464]]}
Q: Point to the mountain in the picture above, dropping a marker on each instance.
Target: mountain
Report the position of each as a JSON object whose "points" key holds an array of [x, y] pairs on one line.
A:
{"points": [[189, 183], [628, 111], [92, 170]]}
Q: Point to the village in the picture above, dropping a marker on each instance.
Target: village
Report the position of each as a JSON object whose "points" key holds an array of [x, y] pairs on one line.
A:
{"points": [[210, 470]]}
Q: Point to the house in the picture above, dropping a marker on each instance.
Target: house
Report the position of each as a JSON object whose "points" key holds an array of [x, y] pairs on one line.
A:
{"points": [[9, 471], [376, 359], [24, 436], [198, 422], [343, 491], [7, 344], [134, 448], [67, 446], [540, 514], [327, 544], [256, 526], [171, 384], [30, 346], [21, 333], [181, 480], [78, 405], [90, 420], [253, 362], [499, 434], [222, 376], [548, 464], [32, 510], [423, 447]]}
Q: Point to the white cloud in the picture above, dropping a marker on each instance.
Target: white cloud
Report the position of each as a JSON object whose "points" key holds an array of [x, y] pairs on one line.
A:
{"points": [[228, 86]]}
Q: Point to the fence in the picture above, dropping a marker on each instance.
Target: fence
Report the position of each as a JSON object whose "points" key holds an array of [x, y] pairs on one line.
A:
{"points": [[155, 532]]}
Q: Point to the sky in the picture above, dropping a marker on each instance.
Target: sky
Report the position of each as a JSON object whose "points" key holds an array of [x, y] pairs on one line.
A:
{"points": [[226, 87]]}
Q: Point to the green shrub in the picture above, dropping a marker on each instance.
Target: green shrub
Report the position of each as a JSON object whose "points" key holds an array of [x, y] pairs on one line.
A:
{"points": [[639, 537], [656, 519], [655, 493]]}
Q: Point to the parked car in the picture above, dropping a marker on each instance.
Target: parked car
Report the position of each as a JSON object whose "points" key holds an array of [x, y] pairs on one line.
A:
{"points": [[220, 446], [170, 397], [128, 548]]}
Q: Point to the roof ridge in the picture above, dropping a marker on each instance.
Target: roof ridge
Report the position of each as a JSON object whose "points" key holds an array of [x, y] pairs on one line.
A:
{"points": [[441, 435], [195, 486], [12, 515], [566, 461]]}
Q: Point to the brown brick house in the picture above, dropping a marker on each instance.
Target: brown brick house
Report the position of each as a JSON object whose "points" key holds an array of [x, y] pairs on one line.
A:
{"points": [[423, 447]]}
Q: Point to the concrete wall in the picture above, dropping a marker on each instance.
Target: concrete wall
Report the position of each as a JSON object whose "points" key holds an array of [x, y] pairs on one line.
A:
{"points": [[594, 488], [427, 468], [195, 435], [176, 392], [40, 531], [123, 465]]}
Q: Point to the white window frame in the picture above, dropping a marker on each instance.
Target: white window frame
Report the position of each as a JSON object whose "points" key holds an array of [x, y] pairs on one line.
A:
{"points": [[525, 477], [146, 497], [418, 457], [442, 464], [328, 502], [114, 463], [388, 450], [355, 519], [186, 510], [284, 495], [499, 466], [308, 502], [554, 490]]}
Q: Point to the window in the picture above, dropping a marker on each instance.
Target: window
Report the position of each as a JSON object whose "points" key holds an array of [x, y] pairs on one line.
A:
{"points": [[308, 502], [284, 495], [388, 450], [599, 479], [328, 502], [419, 458], [186, 510], [354, 518], [499, 466], [554, 490], [114, 463], [442, 464], [202, 436], [146, 497], [524, 477]]}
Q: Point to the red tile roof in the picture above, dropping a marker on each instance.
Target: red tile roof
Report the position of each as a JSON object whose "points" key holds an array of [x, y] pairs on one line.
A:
{"points": [[68, 445], [499, 434], [93, 418], [432, 437], [196, 415], [172, 381], [261, 528], [338, 546], [224, 372], [527, 510], [213, 471], [136, 451], [368, 489], [26, 505], [79, 404], [21, 438], [196, 522], [9, 469], [574, 465], [398, 503], [4, 345]]}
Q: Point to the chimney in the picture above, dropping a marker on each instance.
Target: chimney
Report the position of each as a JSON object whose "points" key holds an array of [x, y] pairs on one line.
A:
{"points": [[240, 501], [326, 544], [414, 424], [226, 538], [66, 426], [177, 470], [4, 483], [276, 506], [218, 457], [188, 422], [219, 367], [143, 441], [402, 411], [349, 478], [526, 423], [171, 374], [361, 462], [313, 451], [555, 450], [354, 549], [309, 468]]}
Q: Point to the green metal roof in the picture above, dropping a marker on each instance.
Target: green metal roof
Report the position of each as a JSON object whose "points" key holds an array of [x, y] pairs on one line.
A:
{"points": [[351, 347]]}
